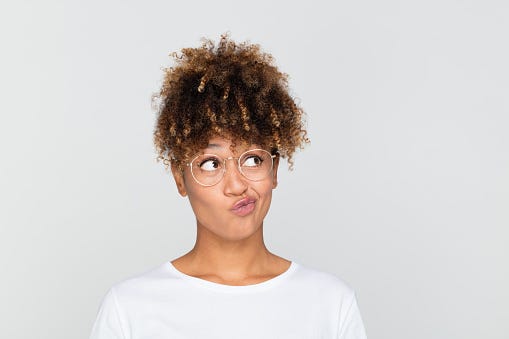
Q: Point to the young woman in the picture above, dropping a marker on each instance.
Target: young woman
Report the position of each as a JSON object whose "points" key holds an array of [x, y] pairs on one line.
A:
{"points": [[225, 118]]}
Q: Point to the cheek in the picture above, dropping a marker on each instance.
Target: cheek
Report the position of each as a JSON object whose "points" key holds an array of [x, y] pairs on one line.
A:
{"points": [[205, 207], [265, 193], [199, 197]]}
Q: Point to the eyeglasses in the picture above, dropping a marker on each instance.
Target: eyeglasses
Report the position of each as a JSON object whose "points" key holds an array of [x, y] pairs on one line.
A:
{"points": [[208, 169]]}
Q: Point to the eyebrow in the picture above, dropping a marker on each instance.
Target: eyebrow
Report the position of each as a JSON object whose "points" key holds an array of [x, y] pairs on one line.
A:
{"points": [[214, 146]]}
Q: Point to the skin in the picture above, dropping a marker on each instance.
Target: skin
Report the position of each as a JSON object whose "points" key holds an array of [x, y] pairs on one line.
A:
{"points": [[229, 249]]}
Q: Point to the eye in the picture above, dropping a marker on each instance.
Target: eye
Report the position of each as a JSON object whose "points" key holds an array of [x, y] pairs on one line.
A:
{"points": [[209, 164], [252, 161]]}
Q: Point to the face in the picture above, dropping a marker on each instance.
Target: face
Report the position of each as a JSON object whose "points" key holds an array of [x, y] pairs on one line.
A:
{"points": [[234, 208]]}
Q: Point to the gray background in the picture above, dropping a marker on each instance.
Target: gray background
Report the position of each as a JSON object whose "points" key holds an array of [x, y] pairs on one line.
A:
{"points": [[403, 192]]}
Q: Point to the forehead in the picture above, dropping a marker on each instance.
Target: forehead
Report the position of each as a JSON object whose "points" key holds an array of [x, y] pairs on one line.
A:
{"points": [[219, 144]]}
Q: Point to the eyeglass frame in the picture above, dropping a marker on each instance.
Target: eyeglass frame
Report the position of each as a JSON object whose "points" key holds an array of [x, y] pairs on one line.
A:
{"points": [[272, 157]]}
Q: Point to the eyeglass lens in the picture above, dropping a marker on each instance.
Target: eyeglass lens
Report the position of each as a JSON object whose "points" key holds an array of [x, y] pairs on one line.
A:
{"points": [[208, 169]]}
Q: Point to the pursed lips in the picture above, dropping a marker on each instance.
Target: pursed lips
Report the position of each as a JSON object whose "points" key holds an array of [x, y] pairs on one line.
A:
{"points": [[244, 207], [243, 202]]}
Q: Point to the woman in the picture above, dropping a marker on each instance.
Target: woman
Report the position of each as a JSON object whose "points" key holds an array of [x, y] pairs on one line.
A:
{"points": [[225, 120]]}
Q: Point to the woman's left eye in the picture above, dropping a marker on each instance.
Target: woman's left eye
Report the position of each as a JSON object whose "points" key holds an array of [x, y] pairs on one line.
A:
{"points": [[252, 161]]}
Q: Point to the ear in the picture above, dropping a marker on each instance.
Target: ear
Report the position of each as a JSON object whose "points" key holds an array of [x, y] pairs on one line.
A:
{"points": [[178, 175], [274, 171]]}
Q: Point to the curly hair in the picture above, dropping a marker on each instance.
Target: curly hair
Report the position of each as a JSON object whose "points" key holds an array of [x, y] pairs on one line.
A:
{"points": [[230, 90]]}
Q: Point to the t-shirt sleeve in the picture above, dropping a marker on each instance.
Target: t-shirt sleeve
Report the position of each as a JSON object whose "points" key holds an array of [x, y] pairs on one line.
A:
{"points": [[108, 324], [351, 326]]}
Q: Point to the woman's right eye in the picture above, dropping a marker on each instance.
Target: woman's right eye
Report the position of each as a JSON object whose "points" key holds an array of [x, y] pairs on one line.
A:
{"points": [[210, 164]]}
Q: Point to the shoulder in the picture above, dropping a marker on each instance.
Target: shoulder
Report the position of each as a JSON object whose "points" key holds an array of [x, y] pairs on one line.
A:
{"points": [[323, 282], [144, 282], [324, 278]]}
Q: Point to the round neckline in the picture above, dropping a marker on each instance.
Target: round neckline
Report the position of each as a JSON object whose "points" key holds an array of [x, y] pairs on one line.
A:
{"points": [[235, 288]]}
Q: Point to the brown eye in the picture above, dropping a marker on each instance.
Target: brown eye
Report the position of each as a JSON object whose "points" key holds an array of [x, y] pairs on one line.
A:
{"points": [[252, 161], [210, 164]]}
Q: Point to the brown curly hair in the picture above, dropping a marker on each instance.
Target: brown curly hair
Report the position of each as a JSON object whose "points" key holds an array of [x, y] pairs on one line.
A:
{"points": [[230, 90]]}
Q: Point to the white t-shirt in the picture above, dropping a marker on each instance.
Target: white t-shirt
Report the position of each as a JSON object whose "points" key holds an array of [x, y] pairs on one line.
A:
{"points": [[166, 303]]}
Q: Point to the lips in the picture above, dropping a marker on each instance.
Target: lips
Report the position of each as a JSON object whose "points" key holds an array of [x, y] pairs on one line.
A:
{"points": [[244, 206]]}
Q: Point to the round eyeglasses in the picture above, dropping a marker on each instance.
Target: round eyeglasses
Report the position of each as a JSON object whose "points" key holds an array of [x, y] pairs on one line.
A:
{"points": [[208, 169]]}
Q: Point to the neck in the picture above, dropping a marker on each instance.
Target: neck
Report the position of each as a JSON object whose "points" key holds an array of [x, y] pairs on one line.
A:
{"points": [[230, 260], [229, 255]]}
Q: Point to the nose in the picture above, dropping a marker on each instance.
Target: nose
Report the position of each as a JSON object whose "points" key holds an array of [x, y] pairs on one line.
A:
{"points": [[234, 181]]}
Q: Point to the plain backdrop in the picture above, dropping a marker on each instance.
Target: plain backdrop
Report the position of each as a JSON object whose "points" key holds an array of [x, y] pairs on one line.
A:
{"points": [[403, 191]]}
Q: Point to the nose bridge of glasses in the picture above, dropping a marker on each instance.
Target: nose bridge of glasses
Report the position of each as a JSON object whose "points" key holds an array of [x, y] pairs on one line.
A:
{"points": [[237, 164]]}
